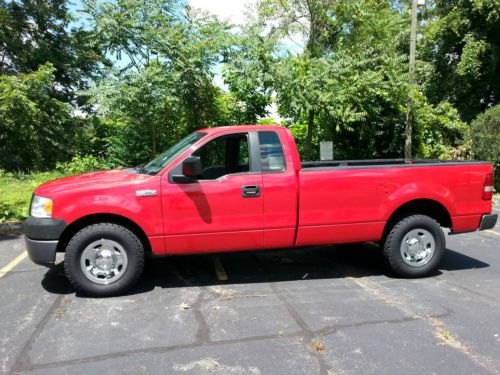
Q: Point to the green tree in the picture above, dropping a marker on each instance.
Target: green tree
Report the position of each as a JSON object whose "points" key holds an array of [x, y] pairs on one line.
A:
{"points": [[45, 59], [248, 70], [34, 32], [309, 20], [141, 112], [462, 42], [161, 87], [349, 83], [232, 108], [35, 128]]}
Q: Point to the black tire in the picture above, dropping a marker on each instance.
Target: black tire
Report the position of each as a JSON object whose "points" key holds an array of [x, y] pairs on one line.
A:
{"points": [[129, 242], [393, 242]]}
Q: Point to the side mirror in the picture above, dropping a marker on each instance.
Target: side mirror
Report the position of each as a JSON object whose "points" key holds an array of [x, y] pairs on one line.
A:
{"points": [[191, 171], [191, 167]]}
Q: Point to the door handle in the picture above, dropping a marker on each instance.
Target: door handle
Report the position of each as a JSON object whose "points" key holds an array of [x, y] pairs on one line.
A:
{"points": [[250, 191]]}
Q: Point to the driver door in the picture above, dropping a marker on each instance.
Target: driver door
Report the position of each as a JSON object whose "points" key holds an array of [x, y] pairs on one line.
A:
{"points": [[222, 210]]}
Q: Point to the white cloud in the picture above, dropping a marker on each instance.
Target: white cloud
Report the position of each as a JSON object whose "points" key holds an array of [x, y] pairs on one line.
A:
{"points": [[227, 10]]}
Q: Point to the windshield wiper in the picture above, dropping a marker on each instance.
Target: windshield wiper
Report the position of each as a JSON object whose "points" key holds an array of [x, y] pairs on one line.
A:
{"points": [[140, 169]]}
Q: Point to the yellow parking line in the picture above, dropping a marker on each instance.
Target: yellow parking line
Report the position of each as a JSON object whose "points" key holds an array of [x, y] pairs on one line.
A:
{"points": [[14, 263], [219, 270], [492, 231]]}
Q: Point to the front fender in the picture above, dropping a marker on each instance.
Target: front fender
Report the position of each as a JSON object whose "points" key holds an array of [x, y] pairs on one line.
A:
{"points": [[144, 211]]}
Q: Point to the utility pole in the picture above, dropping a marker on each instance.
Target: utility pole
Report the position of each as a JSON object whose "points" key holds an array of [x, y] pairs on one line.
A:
{"points": [[413, 47]]}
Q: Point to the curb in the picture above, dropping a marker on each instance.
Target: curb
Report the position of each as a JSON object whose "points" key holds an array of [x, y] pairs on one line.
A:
{"points": [[11, 228]]}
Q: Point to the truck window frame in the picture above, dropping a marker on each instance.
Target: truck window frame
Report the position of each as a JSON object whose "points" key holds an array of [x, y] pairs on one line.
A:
{"points": [[253, 157]]}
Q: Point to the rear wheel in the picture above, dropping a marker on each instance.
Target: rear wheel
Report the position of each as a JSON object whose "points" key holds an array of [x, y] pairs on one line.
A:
{"points": [[104, 259], [414, 246]]}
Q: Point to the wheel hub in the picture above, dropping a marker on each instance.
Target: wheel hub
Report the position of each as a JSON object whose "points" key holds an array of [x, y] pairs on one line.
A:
{"points": [[104, 261], [417, 247]]}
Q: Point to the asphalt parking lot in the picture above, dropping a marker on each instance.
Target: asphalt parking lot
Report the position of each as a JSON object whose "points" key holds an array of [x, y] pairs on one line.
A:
{"points": [[330, 310]]}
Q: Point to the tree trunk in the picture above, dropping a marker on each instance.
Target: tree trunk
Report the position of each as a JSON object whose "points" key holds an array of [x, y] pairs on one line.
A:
{"points": [[310, 128], [409, 110], [408, 130]]}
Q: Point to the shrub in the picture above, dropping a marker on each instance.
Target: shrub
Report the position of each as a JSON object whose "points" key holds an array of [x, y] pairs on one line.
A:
{"points": [[11, 212], [485, 137], [16, 190], [82, 164]]}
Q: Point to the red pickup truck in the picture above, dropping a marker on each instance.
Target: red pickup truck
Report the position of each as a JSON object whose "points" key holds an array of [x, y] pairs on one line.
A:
{"points": [[244, 188]]}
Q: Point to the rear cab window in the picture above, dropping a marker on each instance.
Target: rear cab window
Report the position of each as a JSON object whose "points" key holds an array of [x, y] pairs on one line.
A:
{"points": [[271, 152]]}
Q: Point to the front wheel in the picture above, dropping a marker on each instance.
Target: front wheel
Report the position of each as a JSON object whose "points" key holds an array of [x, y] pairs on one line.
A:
{"points": [[103, 259], [414, 246]]}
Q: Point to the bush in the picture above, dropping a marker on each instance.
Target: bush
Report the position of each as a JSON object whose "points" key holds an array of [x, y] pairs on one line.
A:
{"points": [[439, 132], [16, 190], [485, 137], [10, 212], [82, 164]]}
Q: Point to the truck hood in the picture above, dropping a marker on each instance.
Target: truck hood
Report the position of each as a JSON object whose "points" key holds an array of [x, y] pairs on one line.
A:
{"points": [[91, 181]]}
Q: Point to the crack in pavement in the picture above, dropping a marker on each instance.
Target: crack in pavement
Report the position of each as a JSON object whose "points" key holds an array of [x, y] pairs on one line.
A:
{"points": [[168, 349], [307, 334], [23, 361], [441, 331], [487, 297]]}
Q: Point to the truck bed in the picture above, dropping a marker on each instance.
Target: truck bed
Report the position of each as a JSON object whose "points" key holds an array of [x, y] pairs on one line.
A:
{"points": [[345, 201]]}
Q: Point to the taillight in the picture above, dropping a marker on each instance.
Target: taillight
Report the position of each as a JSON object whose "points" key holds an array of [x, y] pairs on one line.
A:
{"points": [[488, 187]]}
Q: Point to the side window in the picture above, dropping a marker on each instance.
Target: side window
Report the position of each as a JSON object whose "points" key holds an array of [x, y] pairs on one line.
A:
{"points": [[213, 154], [224, 155], [271, 152]]}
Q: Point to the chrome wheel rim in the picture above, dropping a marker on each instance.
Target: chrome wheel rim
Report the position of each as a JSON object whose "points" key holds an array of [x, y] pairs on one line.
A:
{"points": [[104, 261], [417, 247]]}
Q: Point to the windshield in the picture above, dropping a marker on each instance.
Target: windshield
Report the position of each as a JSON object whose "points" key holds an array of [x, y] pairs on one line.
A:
{"points": [[162, 160]]}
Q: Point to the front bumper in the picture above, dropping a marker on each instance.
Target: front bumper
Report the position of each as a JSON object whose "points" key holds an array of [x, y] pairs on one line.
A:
{"points": [[42, 238], [43, 229], [42, 252], [488, 221]]}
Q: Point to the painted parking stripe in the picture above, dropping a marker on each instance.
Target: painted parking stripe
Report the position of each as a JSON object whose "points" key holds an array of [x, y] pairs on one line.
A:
{"points": [[492, 231], [219, 269], [14, 263]]}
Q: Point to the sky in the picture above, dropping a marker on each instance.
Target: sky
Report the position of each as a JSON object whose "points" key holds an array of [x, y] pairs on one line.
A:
{"points": [[227, 10], [230, 10]]}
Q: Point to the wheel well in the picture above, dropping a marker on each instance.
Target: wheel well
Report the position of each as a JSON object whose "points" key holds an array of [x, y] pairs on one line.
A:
{"points": [[102, 218], [427, 207]]}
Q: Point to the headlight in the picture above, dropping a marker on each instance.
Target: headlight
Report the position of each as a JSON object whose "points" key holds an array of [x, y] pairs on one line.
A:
{"points": [[41, 207]]}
